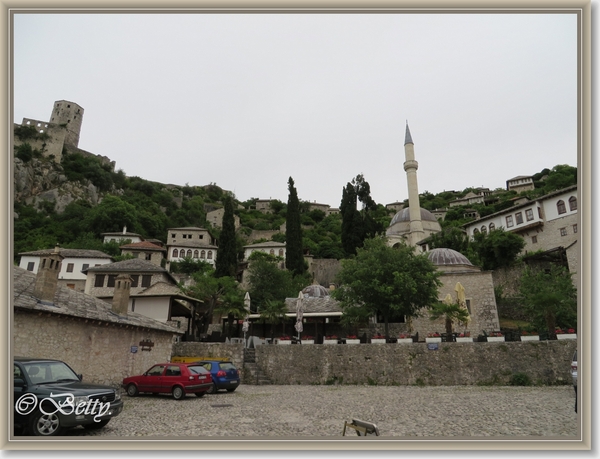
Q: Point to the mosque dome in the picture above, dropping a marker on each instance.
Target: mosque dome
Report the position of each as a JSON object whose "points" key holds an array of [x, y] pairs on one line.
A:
{"points": [[315, 291], [446, 257], [404, 216]]}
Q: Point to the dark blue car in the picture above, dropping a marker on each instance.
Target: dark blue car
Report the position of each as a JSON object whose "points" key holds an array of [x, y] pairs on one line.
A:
{"points": [[224, 375]]}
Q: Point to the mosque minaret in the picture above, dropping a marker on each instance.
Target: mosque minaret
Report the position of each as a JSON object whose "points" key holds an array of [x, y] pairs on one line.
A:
{"points": [[414, 209], [412, 224]]}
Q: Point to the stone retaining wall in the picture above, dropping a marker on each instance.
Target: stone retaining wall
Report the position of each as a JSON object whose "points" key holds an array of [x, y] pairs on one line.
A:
{"points": [[545, 362]]}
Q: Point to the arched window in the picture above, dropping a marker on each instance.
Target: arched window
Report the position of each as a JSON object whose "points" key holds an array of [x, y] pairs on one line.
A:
{"points": [[281, 252], [572, 203], [195, 253], [203, 254], [492, 227], [560, 205], [271, 252], [210, 254], [175, 253], [189, 253], [484, 229], [475, 231]]}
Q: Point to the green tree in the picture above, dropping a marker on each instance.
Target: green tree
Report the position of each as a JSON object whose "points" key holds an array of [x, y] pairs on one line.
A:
{"points": [[387, 280], [496, 249], [549, 297], [226, 264], [451, 237], [232, 307], [268, 281], [211, 290], [352, 230], [111, 215], [272, 312], [294, 259], [450, 312]]}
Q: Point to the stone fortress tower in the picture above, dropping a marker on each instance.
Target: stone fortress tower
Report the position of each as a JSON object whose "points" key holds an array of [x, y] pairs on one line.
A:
{"points": [[59, 134], [69, 115], [413, 223]]}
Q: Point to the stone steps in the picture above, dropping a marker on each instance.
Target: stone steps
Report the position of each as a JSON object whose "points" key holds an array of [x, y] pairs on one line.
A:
{"points": [[252, 373]]}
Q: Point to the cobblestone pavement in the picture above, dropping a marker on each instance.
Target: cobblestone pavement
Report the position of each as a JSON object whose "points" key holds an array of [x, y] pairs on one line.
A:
{"points": [[317, 411]]}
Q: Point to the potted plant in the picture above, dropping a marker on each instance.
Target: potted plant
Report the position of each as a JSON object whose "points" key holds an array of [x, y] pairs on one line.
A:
{"points": [[404, 338], [378, 338], [568, 334], [308, 340], [495, 337], [331, 339], [284, 340], [352, 339], [464, 337], [433, 337], [529, 336]]}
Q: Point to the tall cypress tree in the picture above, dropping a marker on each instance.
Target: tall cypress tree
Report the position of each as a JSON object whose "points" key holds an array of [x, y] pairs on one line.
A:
{"points": [[294, 258], [351, 220], [226, 263]]}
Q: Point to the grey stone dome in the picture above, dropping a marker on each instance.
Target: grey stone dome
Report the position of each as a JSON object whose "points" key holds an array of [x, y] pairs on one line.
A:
{"points": [[404, 216], [315, 291], [445, 257]]}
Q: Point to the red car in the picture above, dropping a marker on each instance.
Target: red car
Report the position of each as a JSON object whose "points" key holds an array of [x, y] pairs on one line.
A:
{"points": [[178, 379]]}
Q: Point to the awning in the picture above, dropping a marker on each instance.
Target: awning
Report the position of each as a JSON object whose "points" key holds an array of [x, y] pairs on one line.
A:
{"points": [[306, 314]]}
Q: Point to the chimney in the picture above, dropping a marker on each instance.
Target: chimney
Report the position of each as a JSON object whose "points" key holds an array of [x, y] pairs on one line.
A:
{"points": [[47, 276], [125, 229], [120, 301]]}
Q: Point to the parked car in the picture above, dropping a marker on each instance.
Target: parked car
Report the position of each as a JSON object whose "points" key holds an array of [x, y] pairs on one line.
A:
{"points": [[179, 379], [224, 375], [574, 375], [49, 397]]}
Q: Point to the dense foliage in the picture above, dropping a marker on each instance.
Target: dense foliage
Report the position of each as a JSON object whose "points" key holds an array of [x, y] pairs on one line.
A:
{"points": [[150, 208], [387, 281]]}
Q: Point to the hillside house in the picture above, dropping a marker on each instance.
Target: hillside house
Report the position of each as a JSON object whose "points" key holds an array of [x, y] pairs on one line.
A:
{"points": [[122, 236], [74, 262], [52, 321], [520, 183], [191, 242], [276, 249], [145, 250], [215, 218]]}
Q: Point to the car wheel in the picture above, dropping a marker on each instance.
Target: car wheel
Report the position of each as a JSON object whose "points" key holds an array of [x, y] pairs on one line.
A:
{"points": [[96, 425], [212, 389], [178, 393], [231, 390], [132, 390], [45, 425], [200, 394]]}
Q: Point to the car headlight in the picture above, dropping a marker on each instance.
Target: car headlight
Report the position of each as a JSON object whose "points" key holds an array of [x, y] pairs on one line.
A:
{"points": [[82, 399], [117, 395]]}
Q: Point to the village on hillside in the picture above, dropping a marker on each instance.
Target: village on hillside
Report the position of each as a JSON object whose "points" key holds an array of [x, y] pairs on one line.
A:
{"points": [[82, 298]]}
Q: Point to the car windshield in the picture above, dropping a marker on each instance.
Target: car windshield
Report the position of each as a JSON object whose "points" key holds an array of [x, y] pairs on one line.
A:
{"points": [[49, 372], [227, 366]]}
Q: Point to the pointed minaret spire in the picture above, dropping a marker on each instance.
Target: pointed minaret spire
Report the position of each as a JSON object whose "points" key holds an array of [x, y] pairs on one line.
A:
{"points": [[414, 207], [408, 138]]}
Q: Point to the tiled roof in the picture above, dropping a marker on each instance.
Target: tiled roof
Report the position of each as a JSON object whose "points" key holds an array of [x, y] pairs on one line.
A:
{"points": [[71, 303], [121, 233], [265, 244], [70, 253], [132, 265], [145, 245]]}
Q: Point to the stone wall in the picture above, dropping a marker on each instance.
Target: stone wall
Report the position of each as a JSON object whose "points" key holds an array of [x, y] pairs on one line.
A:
{"points": [[101, 352], [545, 362], [324, 270]]}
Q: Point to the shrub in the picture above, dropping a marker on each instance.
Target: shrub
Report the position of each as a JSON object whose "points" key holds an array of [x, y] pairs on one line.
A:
{"points": [[520, 379]]}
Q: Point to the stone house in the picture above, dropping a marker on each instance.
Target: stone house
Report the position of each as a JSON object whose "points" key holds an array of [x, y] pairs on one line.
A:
{"points": [[192, 242], [215, 218], [145, 250], [153, 291], [101, 340], [75, 261], [277, 249], [468, 199], [122, 236], [264, 206], [546, 223], [520, 183]]}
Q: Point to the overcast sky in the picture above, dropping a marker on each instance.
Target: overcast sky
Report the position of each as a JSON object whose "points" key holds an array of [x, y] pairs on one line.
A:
{"points": [[247, 100]]}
